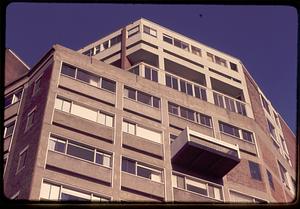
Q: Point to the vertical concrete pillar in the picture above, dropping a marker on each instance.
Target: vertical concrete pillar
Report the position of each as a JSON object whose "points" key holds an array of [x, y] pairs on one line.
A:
{"points": [[125, 64], [209, 93]]}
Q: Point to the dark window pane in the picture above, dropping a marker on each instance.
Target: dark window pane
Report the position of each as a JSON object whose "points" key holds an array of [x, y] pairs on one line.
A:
{"points": [[83, 76], [168, 81], [145, 98], [80, 152], [108, 85], [135, 70], [196, 189], [154, 76], [68, 70], [191, 115], [229, 129], [247, 135], [148, 73], [197, 92], [60, 146], [233, 66], [240, 108], [167, 39], [156, 102], [131, 93], [9, 129], [175, 83], [146, 29], [99, 158], [189, 89], [182, 86], [144, 172], [128, 165], [254, 170], [184, 112], [203, 94], [270, 178], [105, 45], [229, 104], [66, 197], [8, 100], [205, 120], [115, 40], [177, 43]]}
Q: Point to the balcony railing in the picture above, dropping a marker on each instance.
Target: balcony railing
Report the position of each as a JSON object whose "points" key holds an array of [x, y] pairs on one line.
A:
{"points": [[190, 88], [229, 103]]}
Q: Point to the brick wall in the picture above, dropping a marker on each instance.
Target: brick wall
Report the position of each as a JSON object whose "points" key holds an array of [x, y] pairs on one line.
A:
{"points": [[290, 140], [22, 181], [241, 175]]}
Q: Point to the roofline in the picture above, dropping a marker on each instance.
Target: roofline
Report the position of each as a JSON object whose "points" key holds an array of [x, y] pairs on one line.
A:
{"points": [[19, 59]]}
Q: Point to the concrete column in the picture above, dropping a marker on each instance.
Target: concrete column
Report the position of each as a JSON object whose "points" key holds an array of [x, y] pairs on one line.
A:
{"points": [[209, 93], [125, 64]]}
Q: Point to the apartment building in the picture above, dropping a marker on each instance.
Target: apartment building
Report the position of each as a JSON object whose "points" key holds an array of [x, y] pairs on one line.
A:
{"points": [[145, 114]]}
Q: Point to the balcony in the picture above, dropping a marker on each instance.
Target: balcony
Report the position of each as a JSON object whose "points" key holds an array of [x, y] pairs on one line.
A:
{"points": [[203, 154]]}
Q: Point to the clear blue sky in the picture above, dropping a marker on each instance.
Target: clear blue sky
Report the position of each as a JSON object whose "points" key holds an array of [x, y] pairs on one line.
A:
{"points": [[263, 37]]}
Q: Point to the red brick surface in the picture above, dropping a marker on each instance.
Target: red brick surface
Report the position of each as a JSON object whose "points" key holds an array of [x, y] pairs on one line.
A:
{"points": [[23, 179]]}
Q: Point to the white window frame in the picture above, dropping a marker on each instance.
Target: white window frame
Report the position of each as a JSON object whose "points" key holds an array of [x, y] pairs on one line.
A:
{"points": [[36, 88], [6, 127]]}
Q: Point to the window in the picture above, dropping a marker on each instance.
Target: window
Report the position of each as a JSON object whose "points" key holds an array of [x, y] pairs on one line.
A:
{"points": [[68, 70], [173, 108], [62, 104], [283, 173], [229, 104], [130, 93], [56, 144], [210, 57], [9, 129], [149, 31], [270, 179], [197, 186], [84, 112], [200, 93], [220, 61], [254, 170], [151, 74], [105, 119], [97, 49], [265, 104], [37, 86], [13, 98], [241, 109], [229, 129], [233, 66], [133, 167], [284, 145], [218, 100], [148, 134], [115, 40], [88, 52], [30, 119], [272, 129], [128, 165], [22, 159], [167, 39], [133, 31], [50, 191], [128, 127], [144, 98], [248, 136], [181, 44], [204, 119], [108, 84], [187, 113], [141, 97], [196, 51], [87, 78], [79, 150], [171, 82]]}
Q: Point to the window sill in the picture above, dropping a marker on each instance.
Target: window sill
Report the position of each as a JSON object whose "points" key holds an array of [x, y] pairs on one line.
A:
{"points": [[138, 102], [144, 139], [243, 140], [143, 178], [181, 189]]}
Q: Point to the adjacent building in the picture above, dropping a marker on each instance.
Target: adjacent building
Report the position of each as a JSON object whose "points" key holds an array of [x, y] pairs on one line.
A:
{"points": [[144, 114]]}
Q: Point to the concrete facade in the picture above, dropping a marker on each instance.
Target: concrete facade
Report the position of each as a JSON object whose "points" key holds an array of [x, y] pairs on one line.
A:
{"points": [[108, 126]]}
